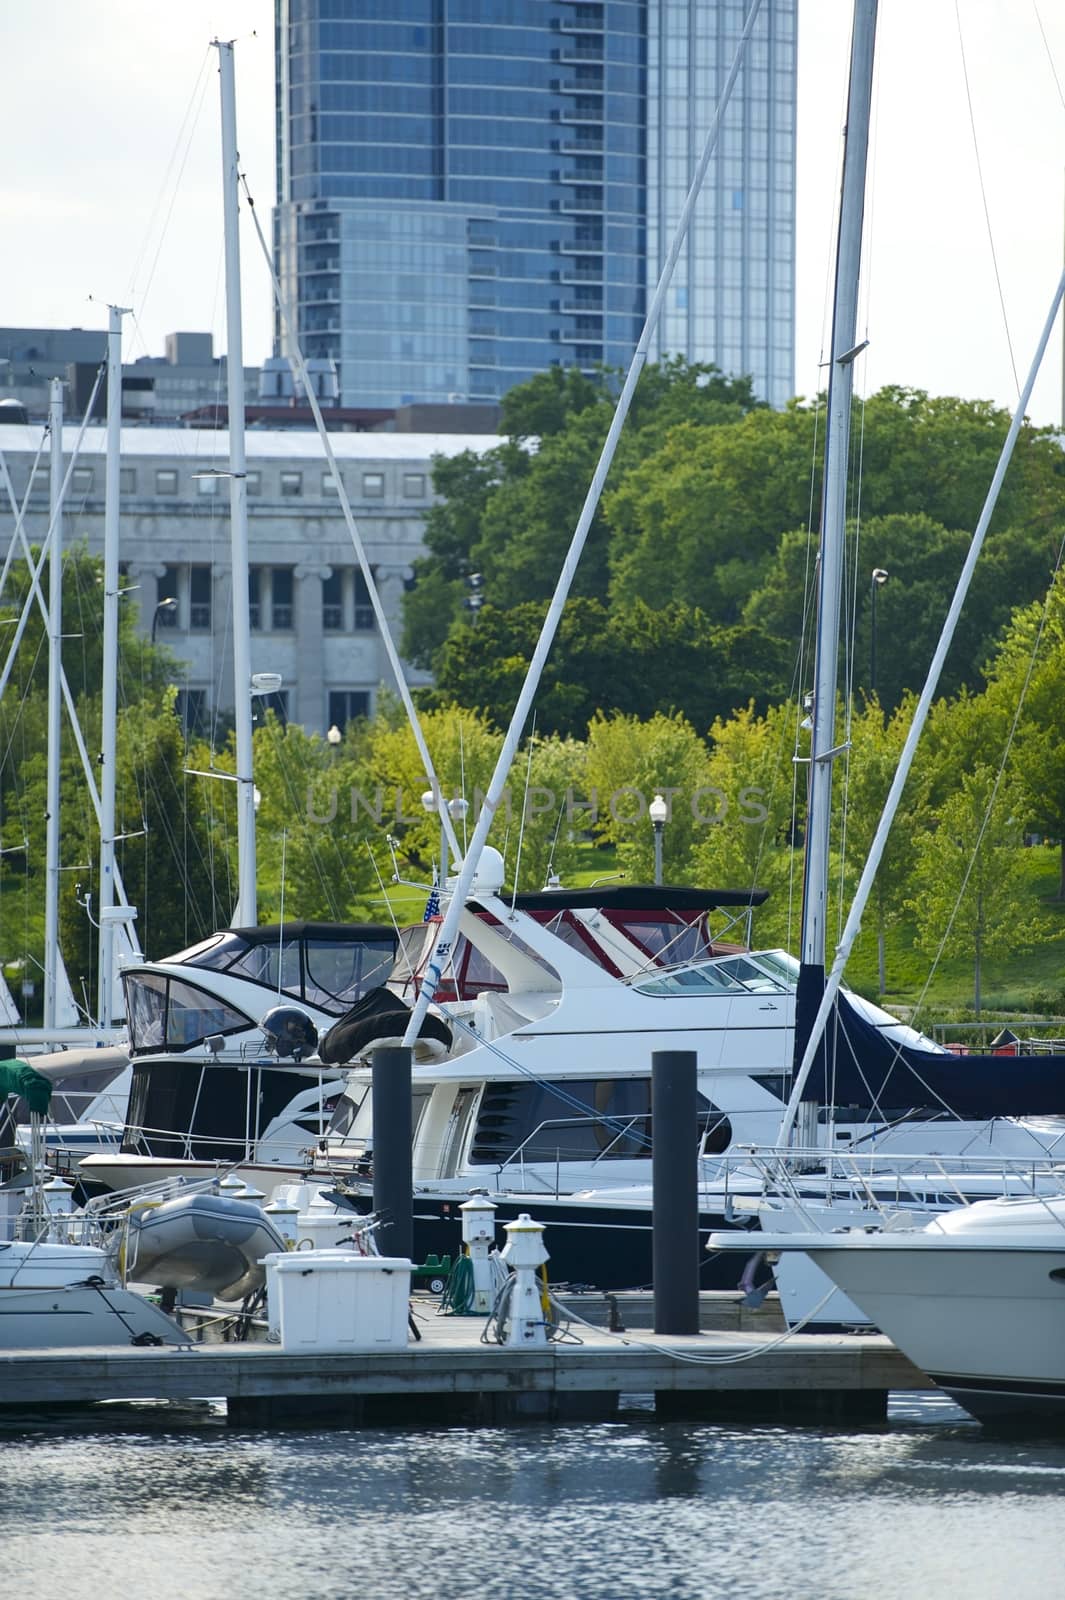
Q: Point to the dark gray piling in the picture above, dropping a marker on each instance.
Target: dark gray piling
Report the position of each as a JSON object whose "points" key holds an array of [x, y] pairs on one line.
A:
{"points": [[392, 1195], [675, 1217]]}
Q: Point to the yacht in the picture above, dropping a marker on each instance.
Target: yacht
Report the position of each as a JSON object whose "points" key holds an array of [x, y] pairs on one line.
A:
{"points": [[205, 1092], [545, 1096]]}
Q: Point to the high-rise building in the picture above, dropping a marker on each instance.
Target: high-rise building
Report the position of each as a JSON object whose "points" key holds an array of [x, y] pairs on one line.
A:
{"points": [[473, 190]]}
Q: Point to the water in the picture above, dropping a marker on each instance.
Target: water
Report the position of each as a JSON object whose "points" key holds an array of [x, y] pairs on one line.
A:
{"points": [[170, 1504]]}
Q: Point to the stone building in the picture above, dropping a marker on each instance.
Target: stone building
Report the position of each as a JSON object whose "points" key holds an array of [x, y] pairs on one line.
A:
{"points": [[310, 614]]}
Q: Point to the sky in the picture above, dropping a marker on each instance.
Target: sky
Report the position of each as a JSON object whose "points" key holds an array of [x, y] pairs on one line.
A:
{"points": [[110, 188]]}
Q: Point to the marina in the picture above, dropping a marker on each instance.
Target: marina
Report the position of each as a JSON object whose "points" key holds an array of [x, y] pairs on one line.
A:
{"points": [[567, 1241]]}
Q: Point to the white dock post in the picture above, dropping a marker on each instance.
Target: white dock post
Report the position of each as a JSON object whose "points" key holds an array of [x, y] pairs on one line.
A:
{"points": [[479, 1237], [525, 1253]]}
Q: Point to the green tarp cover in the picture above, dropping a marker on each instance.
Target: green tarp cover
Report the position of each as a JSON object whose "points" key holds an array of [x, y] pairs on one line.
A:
{"points": [[18, 1077]]}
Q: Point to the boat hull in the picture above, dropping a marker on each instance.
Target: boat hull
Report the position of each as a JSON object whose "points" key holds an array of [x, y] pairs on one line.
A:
{"points": [[985, 1319], [589, 1244], [76, 1316]]}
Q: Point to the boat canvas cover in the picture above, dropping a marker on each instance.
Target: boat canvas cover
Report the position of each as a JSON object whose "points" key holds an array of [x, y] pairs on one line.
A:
{"points": [[860, 1065], [19, 1078]]}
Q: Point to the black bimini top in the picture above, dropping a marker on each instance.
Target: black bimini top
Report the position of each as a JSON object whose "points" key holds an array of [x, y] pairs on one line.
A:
{"points": [[321, 932], [638, 897]]}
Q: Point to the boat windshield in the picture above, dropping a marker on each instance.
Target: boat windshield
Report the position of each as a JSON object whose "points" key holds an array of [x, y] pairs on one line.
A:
{"points": [[723, 976]]}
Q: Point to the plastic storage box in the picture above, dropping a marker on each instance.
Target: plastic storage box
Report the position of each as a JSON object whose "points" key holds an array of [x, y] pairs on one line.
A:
{"points": [[332, 1300]]}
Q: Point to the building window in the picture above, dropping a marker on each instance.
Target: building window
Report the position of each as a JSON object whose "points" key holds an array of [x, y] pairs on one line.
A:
{"points": [[276, 702], [291, 483], [200, 599], [414, 485], [167, 589], [364, 617], [127, 480], [346, 705], [333, 602], [253, 482], [281, 599], [165, 480], [191, 707], [81, 480], [373, 485], [255, 603], [329, 484], [208, 482]]}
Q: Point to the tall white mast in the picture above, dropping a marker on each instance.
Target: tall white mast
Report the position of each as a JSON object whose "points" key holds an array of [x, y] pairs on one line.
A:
{"points": [[55, 668], [833, 521], [244, 913], [109, 708]]}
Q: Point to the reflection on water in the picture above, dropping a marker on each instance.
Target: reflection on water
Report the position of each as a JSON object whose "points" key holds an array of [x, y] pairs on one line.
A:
{"points": [[172, 1505]]}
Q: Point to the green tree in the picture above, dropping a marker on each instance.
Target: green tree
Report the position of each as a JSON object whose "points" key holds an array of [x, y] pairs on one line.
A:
{"points": [[968, 873], [509, 514], [875, 748], [628, 762], [636, 660], [1028, 681], [750, 816]]}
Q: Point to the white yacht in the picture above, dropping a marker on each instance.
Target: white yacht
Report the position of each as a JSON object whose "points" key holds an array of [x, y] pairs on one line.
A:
{"points": [[204, 1091]]}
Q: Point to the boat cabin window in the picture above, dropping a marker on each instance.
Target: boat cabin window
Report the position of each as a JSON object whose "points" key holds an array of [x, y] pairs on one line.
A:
{"points": [[328, 973], [605, 1119], [666, 940], [345, 1111], [336, 974], [167, 1014], [752, 977], [783, 966], [204, 1110], [709, 978]]}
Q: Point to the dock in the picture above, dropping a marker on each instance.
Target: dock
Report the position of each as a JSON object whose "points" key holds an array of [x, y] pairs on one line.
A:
{"points": [[450, 1376]]}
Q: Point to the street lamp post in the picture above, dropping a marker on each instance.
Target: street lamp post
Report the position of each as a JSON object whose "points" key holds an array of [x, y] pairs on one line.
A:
{"points": [[658, 811], [168, 605], [876, 582]]}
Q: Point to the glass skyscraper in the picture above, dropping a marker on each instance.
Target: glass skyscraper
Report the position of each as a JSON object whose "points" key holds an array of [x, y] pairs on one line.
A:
{"points": [[473, 190]]}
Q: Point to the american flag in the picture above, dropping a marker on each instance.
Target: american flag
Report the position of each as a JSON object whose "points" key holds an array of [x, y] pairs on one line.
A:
{"points": [[432, 905]]}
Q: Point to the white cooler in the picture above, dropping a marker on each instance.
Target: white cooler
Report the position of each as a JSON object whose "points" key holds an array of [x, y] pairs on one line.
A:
{"points": [[331, 1300]]}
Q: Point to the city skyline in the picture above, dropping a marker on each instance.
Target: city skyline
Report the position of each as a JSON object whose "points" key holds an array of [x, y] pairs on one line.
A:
{"points": [[111, 200]]}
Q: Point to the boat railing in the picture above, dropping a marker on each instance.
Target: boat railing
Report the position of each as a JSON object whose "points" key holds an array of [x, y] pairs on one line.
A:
{"points": [[539, 1149], [884, 1185], [191, 1145]]}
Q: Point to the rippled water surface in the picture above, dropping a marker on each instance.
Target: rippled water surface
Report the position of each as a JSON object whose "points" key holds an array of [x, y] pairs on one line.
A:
{"points": [[173, 1505]]}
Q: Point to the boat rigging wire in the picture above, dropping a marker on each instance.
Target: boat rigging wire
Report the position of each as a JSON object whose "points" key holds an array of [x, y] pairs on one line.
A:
{"points": [[983, 197], [186, 130], [920, 716], [553, 617], [290, 325]]}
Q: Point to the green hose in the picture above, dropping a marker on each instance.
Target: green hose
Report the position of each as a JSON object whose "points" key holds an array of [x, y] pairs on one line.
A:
{"points": [[457, 1298]]}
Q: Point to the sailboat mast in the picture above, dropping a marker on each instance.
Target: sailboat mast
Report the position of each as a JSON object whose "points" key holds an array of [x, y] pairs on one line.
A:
{"points": [[833, 522], [109, 706], [55, 669], [244, 914]]}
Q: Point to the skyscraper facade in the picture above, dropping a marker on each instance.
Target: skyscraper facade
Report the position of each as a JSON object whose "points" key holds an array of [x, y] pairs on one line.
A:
{"points": [[471, 191]]}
